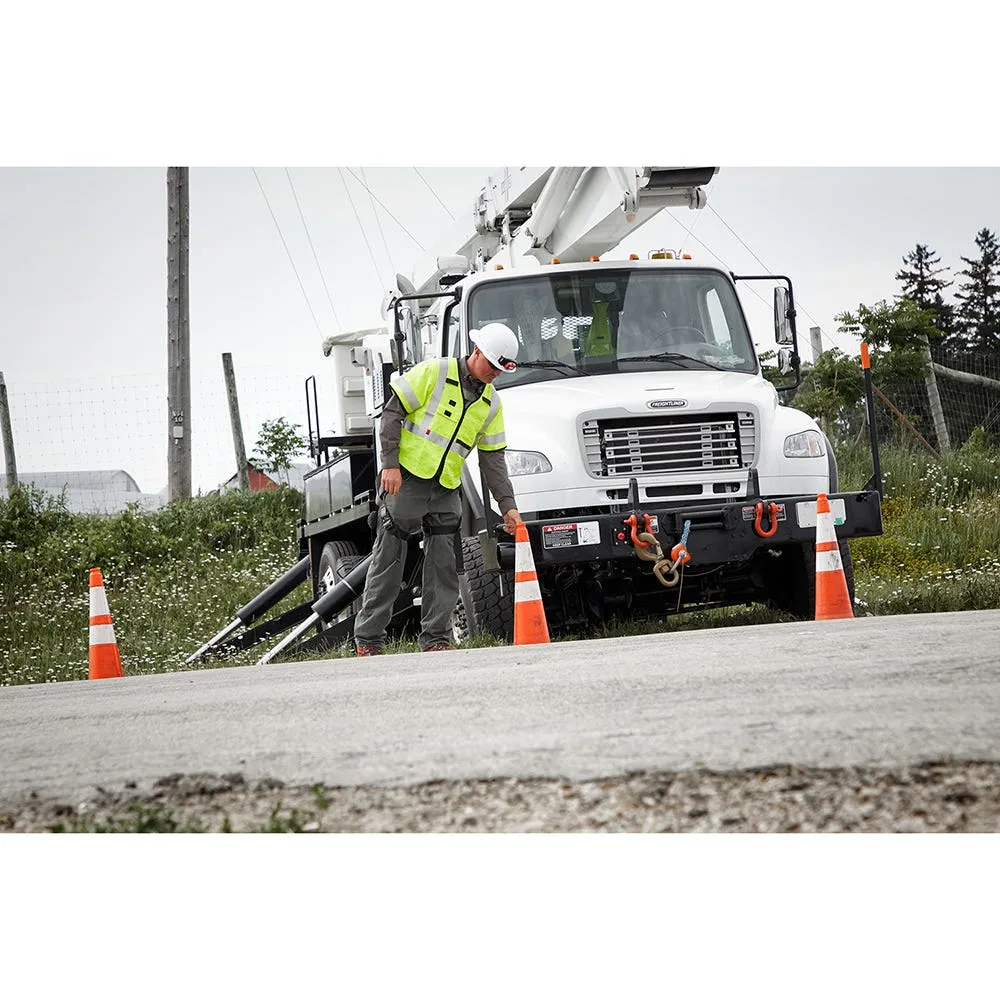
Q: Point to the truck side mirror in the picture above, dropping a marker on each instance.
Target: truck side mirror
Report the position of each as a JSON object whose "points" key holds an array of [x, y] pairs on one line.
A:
{"points": [[783, 333], [410, 323], [787, 361]]}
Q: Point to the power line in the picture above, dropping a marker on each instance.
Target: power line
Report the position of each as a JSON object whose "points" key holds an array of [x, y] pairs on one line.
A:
{"points": [[364, 235], [336, 318], [387, 212], [433, 192], [371, 198], [287, 251], [739, 238], [798, 305], [714, 254]]}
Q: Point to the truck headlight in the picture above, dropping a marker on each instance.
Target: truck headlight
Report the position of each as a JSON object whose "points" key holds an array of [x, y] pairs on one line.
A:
{"points": [[806, 444], [526, 463]]}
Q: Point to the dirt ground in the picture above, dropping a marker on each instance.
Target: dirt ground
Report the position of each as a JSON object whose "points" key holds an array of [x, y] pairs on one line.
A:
{"points": [[942, 796]]}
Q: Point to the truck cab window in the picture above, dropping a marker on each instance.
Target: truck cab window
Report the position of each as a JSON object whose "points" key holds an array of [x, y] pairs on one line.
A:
{"points": [[604, 321]]}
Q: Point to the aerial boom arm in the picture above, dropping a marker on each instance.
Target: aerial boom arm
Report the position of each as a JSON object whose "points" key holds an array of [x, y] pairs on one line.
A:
{"points": [[572, 213]]}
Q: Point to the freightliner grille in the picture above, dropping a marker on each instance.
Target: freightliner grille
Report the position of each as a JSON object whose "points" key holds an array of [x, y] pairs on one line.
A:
{"points": [[627, 446]]}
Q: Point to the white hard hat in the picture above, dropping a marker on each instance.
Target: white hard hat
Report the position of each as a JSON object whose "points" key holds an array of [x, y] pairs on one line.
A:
{"points": [[498, 345]]}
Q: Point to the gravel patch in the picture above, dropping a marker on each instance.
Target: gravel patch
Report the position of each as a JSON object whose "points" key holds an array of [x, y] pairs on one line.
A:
{"points": [[934, 797]]}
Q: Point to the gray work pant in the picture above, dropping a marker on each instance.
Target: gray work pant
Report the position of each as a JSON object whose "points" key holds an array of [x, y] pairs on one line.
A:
{"points": [[421, 505]]}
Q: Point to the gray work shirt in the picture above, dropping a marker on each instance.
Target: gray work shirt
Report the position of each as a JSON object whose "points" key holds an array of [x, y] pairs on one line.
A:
{"points": [[493, 463]]}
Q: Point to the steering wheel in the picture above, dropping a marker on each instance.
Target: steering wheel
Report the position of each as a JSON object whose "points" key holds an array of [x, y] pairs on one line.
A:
{"points": [[696, 338]]}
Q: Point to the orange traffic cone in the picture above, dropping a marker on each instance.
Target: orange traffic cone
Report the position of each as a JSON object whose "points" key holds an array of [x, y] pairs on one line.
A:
{"points": [[832, 597], [529, 612], [104, 659]]}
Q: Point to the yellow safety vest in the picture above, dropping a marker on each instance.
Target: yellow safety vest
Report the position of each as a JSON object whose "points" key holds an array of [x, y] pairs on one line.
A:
{"points": [[440, 428], [598, 340]]}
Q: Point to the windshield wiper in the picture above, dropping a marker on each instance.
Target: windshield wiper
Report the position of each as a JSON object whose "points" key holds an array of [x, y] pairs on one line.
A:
{"points": [[558, 365], [673, 356]]}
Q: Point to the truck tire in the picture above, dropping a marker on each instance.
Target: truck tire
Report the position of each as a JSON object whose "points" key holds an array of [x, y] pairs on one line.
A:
{"points": [[337, 559], [481, 608], [792, 580]]}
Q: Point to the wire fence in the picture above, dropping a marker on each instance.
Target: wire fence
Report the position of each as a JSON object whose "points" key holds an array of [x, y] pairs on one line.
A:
{"points": [[965, 406], [119, 424]]}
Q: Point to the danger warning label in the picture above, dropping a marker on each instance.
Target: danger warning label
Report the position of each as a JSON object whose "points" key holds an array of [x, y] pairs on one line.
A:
{"points": [[560, 536]]}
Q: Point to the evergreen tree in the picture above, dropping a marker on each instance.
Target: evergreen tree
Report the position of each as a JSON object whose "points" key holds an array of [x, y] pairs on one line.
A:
{"points": [[978, 314], [921, 284]]}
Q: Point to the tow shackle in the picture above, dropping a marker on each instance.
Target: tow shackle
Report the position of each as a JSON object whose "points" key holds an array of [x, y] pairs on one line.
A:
{"points": [[772, 511]]}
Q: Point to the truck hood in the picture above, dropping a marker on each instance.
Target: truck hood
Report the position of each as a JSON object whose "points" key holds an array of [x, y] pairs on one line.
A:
{"points": [[538, 411]]}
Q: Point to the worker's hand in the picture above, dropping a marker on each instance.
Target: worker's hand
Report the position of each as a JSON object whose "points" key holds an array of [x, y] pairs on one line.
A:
{"points": [[392, 479], [511, 520]]}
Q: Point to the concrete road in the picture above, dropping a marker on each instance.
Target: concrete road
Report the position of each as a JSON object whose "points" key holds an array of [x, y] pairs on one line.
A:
{"points": [[888, 691]]}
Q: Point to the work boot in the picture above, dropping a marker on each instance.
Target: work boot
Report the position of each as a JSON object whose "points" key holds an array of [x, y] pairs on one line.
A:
{"points": [[364, 650], [438, 647]]}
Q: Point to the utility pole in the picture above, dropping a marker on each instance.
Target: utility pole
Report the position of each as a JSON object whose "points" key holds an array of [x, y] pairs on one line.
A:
{"points": [[178, 338], [8, 437], [816, 342], [234, 417]]}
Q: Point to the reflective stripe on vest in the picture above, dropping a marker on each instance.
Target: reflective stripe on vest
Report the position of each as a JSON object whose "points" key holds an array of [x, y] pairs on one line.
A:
{"points": [[440, 433]]}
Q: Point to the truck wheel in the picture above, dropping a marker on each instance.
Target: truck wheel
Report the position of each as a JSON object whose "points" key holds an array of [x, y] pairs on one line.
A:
{"points": [[335, 562], [792, 579], [481, 608]]}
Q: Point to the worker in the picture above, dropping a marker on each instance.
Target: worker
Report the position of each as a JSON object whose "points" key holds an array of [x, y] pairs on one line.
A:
{"points": [[437, 413]]}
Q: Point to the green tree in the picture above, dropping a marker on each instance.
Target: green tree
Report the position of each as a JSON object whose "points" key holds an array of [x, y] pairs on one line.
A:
{"points": [[897, 336], [921, 284], [277, 444], [978, 311], [900, 327]]}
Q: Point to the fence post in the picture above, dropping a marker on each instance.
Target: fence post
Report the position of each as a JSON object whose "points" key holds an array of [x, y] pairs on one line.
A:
{"points": [[8, 437], [934, 398], [234, 417]]}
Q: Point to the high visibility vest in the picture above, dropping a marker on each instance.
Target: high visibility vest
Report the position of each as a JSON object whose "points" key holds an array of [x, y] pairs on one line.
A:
{"points": [[598, 340], [440, 428]]}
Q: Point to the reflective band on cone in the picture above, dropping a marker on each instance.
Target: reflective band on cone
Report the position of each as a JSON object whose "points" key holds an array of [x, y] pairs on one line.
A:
{"points": [[833, 599], [530, 625], [104, 658]]}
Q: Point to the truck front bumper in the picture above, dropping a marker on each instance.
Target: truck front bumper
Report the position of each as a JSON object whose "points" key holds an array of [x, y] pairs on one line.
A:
{"points": [[727, 533]]}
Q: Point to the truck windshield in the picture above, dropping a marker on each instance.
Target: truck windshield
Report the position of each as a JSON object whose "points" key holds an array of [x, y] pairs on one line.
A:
{"points": [[573, 323]]}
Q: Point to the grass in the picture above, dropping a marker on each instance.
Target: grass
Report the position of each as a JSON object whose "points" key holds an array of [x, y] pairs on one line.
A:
{"points": [[175, 577]]}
